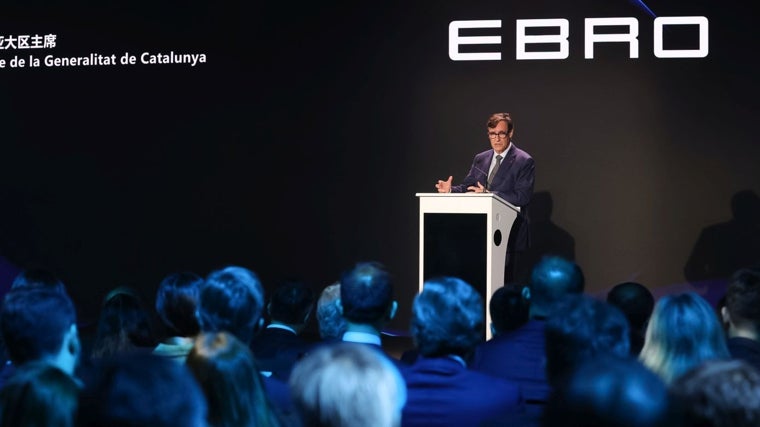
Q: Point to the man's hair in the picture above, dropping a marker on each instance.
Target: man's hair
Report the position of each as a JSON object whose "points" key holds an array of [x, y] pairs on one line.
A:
{"points": [[683, 332], [34, 322], [331, 322], [225, 369], [366, 293], [552, 279], [38, 278], [231, 299], [611, 391], [720, 394], [447, 317], [177, 303], [500, 117], [508, 308], [140, 389], [635, 301], [347, 384], [743, 298], [580, 329], [291, 303], [39, 394]]}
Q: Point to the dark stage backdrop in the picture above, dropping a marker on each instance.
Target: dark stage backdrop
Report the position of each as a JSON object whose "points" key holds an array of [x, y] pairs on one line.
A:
{"points": [[297, 147]]}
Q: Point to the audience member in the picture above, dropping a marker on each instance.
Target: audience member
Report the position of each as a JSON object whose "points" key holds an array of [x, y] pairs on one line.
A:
{"points": [[38, 278], [141, 389], [39, 394], [331, 322], [610, 391], [520, 355], [742, 314], [280, 345], [720, 394], [580, 330], [123, 326], [366, 302], [636, 302], [508, 308], [447, 323], [232, 300], [39, 324], [682, 333], [176, 305], [225, 369], [347, 385]]}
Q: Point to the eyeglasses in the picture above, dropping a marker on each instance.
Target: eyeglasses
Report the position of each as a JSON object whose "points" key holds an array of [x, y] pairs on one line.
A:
{"points": [[494, 135]]}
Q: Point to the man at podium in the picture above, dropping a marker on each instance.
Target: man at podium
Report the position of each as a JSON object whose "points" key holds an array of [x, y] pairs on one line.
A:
{"points": [[506, 171]]}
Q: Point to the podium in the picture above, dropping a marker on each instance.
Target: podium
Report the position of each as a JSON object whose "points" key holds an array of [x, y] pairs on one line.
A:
{"points": [[465, 235]]}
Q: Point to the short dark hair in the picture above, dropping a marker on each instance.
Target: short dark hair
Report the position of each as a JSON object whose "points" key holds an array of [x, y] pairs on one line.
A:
{"points": [[635, 301], [232, 300], [611, 391], [553, 278], [447, 317], [495, 118], [177, 303], [743, 297], [366, 293], [720, 394], [38, 278], [141, 389], [581, 328], [508, 308], [291, 303], [34, 322]]}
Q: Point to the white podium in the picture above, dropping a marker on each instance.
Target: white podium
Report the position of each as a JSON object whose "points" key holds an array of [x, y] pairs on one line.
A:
{"points": [[465, 235]]}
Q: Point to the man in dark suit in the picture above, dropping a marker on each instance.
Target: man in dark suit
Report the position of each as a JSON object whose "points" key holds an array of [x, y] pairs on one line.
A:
{"points": [[742, 313], [520, 355], [506, 171], [280, 345], [447, 321]]}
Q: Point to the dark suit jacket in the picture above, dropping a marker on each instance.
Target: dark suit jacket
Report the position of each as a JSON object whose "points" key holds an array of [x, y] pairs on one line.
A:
{"points": [[513, 182], [745, 349], [277, 350], [442, 392], [519, 356]]}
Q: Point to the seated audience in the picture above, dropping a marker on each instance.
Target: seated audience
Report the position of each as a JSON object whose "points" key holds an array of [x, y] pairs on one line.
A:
{"points": [[447, 323], [519, 355], [39, 325], [225, 369], [232, 300], [123, 326], [636, 302], [331, 322], [366, 302], [508, 308], [39, 394], [176, 305], [720, 394], [683, 332], [280, 344], [347, 385], [610, 391], [742, 314], [140, 389], [580, 330]]}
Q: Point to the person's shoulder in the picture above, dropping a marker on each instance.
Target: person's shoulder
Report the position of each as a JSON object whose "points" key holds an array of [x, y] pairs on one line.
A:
{"points": [[520, 153]]}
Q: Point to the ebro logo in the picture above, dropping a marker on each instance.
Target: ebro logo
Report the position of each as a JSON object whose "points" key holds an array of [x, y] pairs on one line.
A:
{"points": [[591, 37]]}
